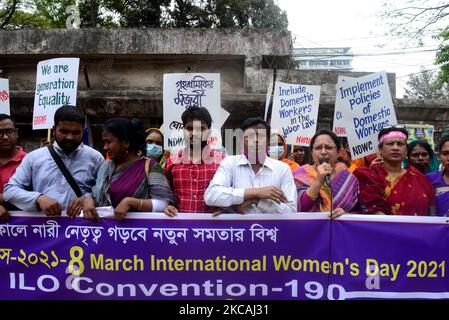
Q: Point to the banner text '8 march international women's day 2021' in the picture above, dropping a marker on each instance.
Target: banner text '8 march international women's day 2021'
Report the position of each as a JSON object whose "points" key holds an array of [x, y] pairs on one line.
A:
{"points": [[257, 257]]}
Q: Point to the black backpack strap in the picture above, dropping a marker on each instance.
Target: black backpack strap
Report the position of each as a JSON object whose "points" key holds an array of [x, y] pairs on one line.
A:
{"points": [[65, 171]]}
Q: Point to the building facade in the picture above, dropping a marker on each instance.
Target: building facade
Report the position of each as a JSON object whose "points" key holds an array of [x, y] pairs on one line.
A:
{"points": [[324, 58]]}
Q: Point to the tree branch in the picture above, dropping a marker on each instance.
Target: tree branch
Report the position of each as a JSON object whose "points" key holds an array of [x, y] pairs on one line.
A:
{"points": [[12, 10]]}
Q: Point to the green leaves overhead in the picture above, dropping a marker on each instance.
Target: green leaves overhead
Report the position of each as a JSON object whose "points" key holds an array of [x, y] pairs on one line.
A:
{"points": [[144, 13]]}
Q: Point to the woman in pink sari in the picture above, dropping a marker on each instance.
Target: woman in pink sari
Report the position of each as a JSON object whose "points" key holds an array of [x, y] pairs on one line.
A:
{"points": [[326, 185]]}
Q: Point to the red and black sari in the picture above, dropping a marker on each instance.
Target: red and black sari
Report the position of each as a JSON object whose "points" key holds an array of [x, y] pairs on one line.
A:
{"points": [[409, 194]]}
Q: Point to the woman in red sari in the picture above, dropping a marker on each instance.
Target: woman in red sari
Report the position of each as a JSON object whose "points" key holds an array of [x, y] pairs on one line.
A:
{"points": [[387, 188]]}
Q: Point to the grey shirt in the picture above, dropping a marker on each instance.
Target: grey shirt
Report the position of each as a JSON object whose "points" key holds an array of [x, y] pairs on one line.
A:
{"points": [[38, 174]]}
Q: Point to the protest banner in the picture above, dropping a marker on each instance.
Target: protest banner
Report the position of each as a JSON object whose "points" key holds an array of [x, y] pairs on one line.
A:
{"points": [[338, 125], [56, 85], [367, 108], [4, 97], [184, 90], [198, 256], [420, 131], [295, 112]]}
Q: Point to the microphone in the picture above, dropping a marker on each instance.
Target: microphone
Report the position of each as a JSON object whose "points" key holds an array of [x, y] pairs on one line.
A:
{"points": [[327, 179]]}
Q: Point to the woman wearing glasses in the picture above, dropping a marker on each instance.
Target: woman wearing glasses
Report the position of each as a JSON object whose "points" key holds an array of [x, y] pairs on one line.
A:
{"points": [[387, 188], [326, 185]]}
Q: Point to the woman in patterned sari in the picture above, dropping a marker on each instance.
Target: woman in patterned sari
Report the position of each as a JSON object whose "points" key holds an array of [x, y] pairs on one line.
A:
{"points": [[387, 188], [129, 182], [314, 193]]}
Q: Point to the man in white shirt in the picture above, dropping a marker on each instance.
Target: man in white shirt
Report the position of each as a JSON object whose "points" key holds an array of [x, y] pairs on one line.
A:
{"points": [[253, 182]]}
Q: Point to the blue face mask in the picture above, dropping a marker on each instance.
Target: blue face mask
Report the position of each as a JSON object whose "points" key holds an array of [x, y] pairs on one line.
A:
{"points": [[154, 151], [276, 152]]}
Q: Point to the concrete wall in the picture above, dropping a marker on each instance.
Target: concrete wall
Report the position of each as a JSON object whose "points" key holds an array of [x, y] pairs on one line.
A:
{"points": [[121, 72], [93, 41]]}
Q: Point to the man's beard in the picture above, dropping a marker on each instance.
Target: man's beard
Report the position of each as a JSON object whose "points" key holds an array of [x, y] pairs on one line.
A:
{"points": [[68, 146]]}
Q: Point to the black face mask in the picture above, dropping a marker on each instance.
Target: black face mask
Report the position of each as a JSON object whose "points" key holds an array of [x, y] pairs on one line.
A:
{"points": [[68, 145]]}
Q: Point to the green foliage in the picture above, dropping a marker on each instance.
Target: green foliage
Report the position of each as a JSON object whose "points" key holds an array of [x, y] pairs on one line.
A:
{"points": [[52, 14], [144, 13], [228, 14], [17, 14], [442, 59], [22, 20], [141, 13], [52, 11], [266, 14], [414, 20], [426, 85], [99, 13], [187, 13]]}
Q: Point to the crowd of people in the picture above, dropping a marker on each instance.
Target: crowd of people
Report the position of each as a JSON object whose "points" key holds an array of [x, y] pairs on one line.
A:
{"points": [[267, 176]]}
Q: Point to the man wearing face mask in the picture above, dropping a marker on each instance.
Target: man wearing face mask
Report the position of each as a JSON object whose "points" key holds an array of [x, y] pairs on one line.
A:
{"points": [[278, 150], [155, 146], [190, 171], [38, 183]]}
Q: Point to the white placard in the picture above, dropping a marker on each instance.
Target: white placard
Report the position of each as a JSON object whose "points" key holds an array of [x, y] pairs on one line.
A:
{"points": [[4, 97], [268, 100], [224, 116], [338, 125], [367, 108], [56, 85], [184, 90], [295, 112]]}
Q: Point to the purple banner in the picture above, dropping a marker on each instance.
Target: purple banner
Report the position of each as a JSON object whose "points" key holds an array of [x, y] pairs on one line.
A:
{"points": [[295, 256]]}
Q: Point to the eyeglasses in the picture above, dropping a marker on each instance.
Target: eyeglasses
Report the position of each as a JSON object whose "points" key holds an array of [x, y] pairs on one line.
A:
{"points": [[8, 132], [325, 146]]}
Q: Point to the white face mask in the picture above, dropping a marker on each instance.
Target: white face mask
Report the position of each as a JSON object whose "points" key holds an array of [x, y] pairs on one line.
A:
{"points": [[154, 151], [276, 152]]}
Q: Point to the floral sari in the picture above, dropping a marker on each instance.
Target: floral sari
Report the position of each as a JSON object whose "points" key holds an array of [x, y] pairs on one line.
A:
{"points": [[409, 194], [345, 188]]}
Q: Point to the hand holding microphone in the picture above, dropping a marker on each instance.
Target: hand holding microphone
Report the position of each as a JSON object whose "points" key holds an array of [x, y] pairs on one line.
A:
{"points": [[327, 170]]}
